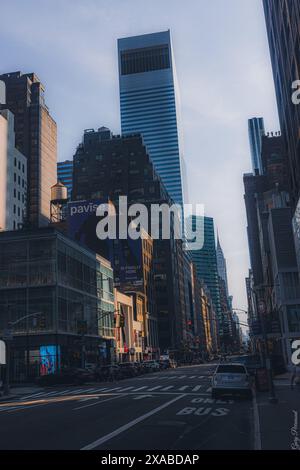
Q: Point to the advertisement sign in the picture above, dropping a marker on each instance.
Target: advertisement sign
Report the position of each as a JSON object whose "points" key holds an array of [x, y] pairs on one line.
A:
{"points": [[48, 359], [125, 255]]}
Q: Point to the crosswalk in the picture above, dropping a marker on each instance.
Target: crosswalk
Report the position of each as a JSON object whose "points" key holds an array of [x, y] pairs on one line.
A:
{"points": [[203, 388], [175, 377]]}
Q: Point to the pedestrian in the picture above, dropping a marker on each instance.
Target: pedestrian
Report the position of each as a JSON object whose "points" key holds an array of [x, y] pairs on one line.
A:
{"points": [[295, 377]]}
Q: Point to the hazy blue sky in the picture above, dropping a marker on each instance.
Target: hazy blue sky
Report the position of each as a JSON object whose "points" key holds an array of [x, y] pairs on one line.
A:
{"points": [[224, 74]]}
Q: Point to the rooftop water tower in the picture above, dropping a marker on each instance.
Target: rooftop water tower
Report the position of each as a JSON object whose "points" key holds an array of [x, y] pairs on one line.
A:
{"points": [[58, 203]]}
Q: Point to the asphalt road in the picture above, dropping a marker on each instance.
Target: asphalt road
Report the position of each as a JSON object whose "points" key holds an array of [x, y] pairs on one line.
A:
{"points": [[170, 410]]}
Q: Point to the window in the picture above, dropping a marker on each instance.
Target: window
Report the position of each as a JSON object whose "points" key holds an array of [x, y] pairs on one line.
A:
{"points": [[145, 59]]}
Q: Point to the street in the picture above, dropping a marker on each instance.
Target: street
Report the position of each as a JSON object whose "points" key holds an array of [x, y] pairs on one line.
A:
{"points": [[169, 410]]}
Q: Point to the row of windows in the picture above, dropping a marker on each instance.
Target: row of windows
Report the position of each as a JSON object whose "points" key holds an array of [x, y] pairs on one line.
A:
{"points": [[18, 178], [18, 164], [145, 60], [146, 91]]}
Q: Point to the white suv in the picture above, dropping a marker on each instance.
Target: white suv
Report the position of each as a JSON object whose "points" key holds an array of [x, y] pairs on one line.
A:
{"points": [[231, 379]]}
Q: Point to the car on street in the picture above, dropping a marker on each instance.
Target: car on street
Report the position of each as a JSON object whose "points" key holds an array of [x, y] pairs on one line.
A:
{"points": [[128, 369], [70, 375], [152, 366], [231, 379], [108, 372], [252, 362]]}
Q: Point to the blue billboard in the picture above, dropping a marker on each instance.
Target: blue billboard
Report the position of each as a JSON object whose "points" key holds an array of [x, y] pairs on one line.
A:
{"points": [[49, 359]]}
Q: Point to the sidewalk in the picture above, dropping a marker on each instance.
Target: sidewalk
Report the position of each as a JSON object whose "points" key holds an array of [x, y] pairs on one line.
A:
{"points": [[18, 392], [279, 423]]}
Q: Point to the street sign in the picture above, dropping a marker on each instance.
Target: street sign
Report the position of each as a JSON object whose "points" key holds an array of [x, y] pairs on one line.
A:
{"points": [[2, 353]]}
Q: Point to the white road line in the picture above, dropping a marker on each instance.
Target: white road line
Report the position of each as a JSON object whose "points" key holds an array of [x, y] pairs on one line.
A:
{"points": [[104, 389], [208, 390], [257, 434], [193, 376], [124, 389], [129, 425], [167, 388], [195, 389], [183, 388], [111, 389], [32, 396], [154, 388], [182, 377], [137, 389], [97, 403]]}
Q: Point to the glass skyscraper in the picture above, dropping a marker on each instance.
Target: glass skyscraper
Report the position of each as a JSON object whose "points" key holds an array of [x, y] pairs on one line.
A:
{"points": [[206, 264], [65, 174], [149, 103], [256, 130]]}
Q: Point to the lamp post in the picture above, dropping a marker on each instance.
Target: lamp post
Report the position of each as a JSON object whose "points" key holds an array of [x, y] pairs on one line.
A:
{"points": [[8, 337]]}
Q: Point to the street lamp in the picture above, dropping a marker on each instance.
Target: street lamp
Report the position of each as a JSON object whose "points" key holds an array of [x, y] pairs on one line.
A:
{"points": [[7, 338]]}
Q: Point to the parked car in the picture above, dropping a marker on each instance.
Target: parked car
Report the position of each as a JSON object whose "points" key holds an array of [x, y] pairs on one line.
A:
{"points": [[108, 372], [152, 366], [230, 379], [164, 364], [252, 362], [128, 369], [70, 375]]}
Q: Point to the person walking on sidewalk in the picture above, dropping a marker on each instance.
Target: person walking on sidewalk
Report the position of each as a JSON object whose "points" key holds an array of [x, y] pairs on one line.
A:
{"points": [[295, 378]]}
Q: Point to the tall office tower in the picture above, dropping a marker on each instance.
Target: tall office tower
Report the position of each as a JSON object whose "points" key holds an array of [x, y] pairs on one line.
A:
{"points": [[65, 174], [256, 130], [13, 176], [282, 21], [222, 267], [206, 265], [149, 104], [36, 138]]}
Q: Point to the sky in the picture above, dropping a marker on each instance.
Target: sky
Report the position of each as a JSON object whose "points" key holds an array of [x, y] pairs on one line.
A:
{"points": [[224, 74]]}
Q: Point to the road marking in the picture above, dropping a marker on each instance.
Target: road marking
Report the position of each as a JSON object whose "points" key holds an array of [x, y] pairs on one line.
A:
{"points": [[182, 377], [129, 425], [195, 389], [137, 389], [257, 434], [112, 389], [208, 390], [193, 377], [183, 388], [124, 389], [167, 388], [142, 396], [97, 403], [32, 396], [154, 388]]}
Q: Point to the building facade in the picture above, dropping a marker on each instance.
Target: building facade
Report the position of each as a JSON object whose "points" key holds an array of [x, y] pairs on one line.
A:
{"points": [[282, 22], [205, 261], [108, 166], [57, 300], [36, 138], [13, 176], [256, 130], [150, 106], [65, 174]]}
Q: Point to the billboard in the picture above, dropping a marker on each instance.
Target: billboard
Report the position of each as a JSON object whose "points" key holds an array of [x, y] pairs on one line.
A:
{"points": [[125, 255], [49, 362]]}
